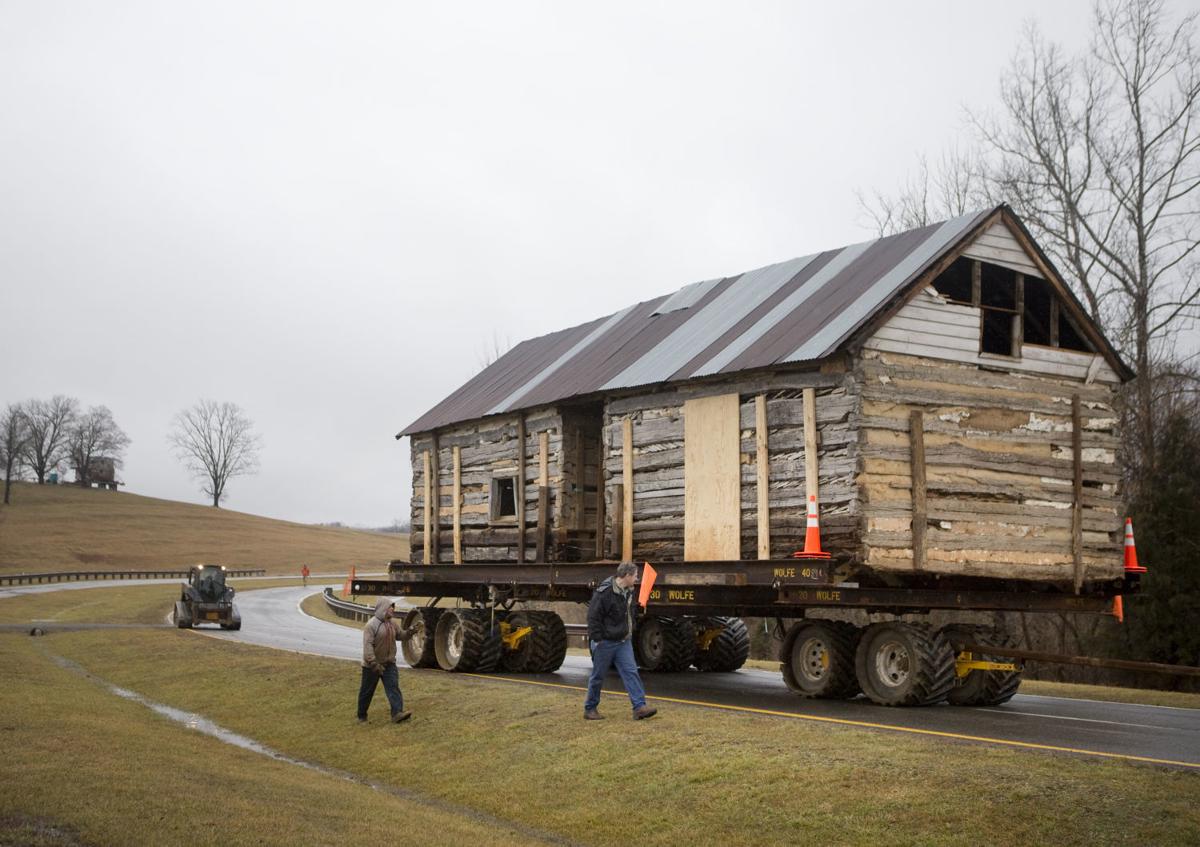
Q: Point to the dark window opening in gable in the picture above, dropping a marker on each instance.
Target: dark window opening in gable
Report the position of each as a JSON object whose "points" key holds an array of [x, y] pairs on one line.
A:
{"points": [[998, 287], [954, 283], [1035, 315], [1068, 337], [997, 334], [504, 498]]}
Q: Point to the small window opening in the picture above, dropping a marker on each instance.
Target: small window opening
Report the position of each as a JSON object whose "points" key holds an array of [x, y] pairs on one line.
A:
{"points": [[1068, 336], [504, 498], [997, 336]]}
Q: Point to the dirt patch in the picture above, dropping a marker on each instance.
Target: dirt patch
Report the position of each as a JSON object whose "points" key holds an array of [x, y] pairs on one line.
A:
{"points": [[89, 558], [24, 831]]}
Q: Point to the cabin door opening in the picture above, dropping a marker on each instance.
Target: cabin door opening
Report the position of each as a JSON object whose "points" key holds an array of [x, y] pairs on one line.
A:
{"points": [[583, 482]]}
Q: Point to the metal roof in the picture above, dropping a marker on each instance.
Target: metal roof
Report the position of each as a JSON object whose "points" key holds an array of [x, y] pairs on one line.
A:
{"points": [[800, 310]]}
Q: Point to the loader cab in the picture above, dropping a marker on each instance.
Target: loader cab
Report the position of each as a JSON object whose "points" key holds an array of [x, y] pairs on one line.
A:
{"points": [[208, 580]]}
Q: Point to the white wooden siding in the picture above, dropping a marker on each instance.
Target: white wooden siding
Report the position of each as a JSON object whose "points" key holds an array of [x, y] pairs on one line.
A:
{"points": [[934, 328], [998, 246]]}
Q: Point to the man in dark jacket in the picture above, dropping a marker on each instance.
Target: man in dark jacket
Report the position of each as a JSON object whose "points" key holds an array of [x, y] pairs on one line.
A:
{"points": [[612, 614], [379, 661]]}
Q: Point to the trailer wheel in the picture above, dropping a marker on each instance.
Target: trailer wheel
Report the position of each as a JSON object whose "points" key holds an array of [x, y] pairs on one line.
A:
{"points": [[183, 620], [467, 641], [664, 644], [418, 648], [817, 659], [981, 688], [551, 642], [728, 650], [904, 665]]}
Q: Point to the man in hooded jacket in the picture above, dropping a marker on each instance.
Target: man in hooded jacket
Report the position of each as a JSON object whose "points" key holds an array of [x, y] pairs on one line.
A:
{"points": [[612, 614], [379, 661]]}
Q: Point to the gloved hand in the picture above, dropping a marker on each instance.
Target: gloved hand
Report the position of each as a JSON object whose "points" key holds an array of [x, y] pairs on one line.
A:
{"points": [[406, 633], [378, 668]]}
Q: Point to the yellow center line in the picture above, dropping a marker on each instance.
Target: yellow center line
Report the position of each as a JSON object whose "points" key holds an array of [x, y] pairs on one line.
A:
{"points": [[1029, 745]]}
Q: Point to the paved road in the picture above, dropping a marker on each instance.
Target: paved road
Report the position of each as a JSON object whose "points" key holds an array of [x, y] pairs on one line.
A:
{"points": [[272, 618]]}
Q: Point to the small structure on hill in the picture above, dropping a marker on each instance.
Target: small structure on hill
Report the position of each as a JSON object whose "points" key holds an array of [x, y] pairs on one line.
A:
{"points": [[941, 393], [101, 472]]}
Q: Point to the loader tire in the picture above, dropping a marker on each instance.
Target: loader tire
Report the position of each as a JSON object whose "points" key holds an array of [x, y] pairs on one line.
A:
{"points": [[664, 644], [728, 651], [981, 688], [900, 664], [467, 641], [418, 649], [817, 659]]}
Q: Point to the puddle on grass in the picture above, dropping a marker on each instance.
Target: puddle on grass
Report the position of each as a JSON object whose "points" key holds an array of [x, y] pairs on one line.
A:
{"points": [[199, 723]]}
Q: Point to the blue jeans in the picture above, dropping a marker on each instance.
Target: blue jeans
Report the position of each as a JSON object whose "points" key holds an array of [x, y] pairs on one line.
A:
{"points": [[391, 687], [619, 653]]}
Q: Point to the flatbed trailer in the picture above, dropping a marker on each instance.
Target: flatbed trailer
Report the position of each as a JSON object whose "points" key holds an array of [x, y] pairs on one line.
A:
{"points": [[693, 617]]}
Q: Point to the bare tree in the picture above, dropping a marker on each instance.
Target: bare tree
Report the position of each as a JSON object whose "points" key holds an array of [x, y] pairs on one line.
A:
{"points": [[216, 442], [956, 184], [48, 422], [489, 351], [1101, 157], [94, 435], [14, 432]]}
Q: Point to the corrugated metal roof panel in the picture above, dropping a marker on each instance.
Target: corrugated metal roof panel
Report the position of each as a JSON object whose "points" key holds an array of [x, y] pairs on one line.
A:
{"points": [[794, 311]]}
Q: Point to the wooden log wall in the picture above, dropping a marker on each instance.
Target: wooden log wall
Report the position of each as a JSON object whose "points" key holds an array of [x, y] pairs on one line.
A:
{"points": [[658, 481], [1000, 470], [481, 451]]}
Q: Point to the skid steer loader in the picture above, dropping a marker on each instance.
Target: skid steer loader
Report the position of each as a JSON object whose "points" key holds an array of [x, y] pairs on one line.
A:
{"points": [[207, 599]]}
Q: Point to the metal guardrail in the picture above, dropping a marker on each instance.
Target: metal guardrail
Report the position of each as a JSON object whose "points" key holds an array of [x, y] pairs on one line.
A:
{"points": [[359, 612], [78, 576]]}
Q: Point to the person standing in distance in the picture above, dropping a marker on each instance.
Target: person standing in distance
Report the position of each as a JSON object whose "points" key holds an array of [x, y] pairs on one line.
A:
{"points": [[612, 613], [379, 661]]}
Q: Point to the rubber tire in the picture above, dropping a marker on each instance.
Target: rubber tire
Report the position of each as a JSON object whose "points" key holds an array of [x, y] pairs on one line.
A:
{"points": [[728, 651], [183, 620], [981, 688], [922, 660], [418, 650], [551, 634], [467, 641], [817, 659], [663, 644]]}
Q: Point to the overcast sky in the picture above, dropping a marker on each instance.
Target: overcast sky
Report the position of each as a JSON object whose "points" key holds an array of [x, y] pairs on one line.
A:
{"points": [[328, 212]]}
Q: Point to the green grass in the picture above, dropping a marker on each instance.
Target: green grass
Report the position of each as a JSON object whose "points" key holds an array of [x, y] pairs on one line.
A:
{"points": [[522, 753], [64, 528]]}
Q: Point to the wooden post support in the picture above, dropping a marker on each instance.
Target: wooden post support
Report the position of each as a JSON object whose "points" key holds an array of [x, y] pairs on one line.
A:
{"points": [[520, 493], [435, 473], [426, 537], [764, 510], [457, 505], [600, 504], [618, 520], [627, 482], [1077, 495], [543, 515], [916, 437], [810, 445]]}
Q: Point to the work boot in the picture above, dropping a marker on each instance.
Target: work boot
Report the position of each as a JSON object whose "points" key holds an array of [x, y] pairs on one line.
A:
{"points": [[362, 718], [592, 715], [643, 712], [401, 716]]}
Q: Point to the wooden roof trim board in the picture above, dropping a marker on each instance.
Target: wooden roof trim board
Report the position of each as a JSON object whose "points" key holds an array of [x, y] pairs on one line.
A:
{"points": [[793, 312]]}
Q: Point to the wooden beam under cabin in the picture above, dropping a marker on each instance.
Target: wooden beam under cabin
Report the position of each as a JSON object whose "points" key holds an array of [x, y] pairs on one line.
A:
{"points": [[763, 462], [916, 435]]}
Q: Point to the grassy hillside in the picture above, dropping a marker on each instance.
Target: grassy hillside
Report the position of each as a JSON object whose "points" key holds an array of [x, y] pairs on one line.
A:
{"points": [[51, 528]]}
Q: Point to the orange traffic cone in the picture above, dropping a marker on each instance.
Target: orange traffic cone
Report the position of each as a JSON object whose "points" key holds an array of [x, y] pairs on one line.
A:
{"points": [[812, 536], [1131, 562], [1118, 609]]}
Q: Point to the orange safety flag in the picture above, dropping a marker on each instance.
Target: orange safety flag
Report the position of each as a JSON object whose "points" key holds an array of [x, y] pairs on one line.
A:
{"points": [[349, 581], [649, 574], [1118, 609]]}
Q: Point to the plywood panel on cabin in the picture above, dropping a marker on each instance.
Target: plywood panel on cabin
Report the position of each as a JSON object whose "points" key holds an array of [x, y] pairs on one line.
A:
{"points": [[712, 478]]}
